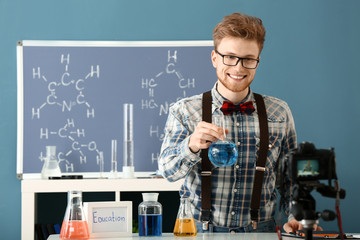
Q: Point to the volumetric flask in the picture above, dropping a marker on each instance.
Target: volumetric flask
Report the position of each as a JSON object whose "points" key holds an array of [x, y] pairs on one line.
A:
{"points": [[128, 164], [222, 152], [74, 225], [185, 223], [51, 166]]}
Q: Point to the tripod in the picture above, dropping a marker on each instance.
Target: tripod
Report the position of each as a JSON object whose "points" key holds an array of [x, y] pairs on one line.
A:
{"points": [[303, 209]]}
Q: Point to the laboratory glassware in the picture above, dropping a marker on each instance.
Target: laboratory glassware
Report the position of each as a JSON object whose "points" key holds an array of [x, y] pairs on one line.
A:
{"points": [[74, 225], [222, 152], [113, 172], [150, 215], [101, 164], [51, 166], [185, 223], [128, 164]]}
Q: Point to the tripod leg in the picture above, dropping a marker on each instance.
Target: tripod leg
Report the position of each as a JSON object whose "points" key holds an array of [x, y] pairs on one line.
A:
{"points": [[308, 233]]}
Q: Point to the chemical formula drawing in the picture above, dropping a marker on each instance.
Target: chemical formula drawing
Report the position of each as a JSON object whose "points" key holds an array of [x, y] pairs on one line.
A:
{"points": [[170, 74], [74, 93], [68, 130]]}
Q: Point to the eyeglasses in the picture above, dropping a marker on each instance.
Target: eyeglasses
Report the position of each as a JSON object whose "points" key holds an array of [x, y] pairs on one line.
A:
{"points": [[249, 63]]}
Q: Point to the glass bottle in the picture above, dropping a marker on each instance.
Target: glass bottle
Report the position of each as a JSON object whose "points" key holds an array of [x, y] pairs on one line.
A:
{"points": [[74, 225], [51, 166], [222, 152], [185, 223], [150, 215]]}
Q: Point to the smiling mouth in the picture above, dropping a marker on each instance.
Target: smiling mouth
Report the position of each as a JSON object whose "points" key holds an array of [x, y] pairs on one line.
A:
{"points": [[237, 77]]}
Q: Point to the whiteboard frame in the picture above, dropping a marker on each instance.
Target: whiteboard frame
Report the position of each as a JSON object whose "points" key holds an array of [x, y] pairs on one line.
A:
{"points": [[20, 110], [65, 43], [60, 43]]}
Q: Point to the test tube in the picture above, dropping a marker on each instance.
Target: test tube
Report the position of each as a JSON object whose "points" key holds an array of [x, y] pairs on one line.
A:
{"points": [[128, 164], [113, 172], [101, 164]]}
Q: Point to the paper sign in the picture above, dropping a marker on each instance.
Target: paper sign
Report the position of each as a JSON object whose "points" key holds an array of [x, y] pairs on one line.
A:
{"points": [[109, 219]]}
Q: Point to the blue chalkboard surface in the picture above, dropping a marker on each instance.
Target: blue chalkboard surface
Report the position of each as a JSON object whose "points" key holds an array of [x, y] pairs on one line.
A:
{"points": [[71, 95]]}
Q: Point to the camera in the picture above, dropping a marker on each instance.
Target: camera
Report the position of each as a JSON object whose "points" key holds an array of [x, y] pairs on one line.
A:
{"points": [[305, 168], [307, 163]]}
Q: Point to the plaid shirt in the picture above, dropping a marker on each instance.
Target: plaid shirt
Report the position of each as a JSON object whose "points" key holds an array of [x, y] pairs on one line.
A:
{"points": [[232, 185]]}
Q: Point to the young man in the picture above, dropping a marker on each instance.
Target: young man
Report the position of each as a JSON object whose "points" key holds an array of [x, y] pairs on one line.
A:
{"points": [[238, 41]]}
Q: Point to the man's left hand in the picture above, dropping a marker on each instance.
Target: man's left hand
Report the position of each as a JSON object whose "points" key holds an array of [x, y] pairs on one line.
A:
{"points": [[293, 225]]}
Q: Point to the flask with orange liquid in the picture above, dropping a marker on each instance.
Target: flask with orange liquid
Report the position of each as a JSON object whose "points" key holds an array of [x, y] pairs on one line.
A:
{"points": [[74, 225], [185, 223]]}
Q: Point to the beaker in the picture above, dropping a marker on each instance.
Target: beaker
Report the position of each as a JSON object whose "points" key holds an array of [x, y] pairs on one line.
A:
{"points": [[222, 152], [51, 166], [185, 223], [128, 164], [150, 215], [74, 225]]}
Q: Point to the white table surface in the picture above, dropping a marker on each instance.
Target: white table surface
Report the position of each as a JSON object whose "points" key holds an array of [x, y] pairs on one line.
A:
{"points": [[204, 236]]}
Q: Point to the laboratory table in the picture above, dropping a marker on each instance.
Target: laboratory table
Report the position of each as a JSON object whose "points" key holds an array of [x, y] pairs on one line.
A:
{"points": [[207, 236], [202, 236]]}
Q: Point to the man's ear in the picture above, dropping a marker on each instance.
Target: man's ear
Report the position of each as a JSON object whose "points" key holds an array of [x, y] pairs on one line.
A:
{"points": [[213, 58]]}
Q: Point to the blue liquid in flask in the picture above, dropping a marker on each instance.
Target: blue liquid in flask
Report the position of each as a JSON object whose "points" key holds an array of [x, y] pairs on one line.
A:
{"points": [[150, 225], [223, 154]]}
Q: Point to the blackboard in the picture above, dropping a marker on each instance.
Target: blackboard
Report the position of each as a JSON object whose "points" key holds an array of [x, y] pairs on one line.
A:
{"points": [[71, 95]]}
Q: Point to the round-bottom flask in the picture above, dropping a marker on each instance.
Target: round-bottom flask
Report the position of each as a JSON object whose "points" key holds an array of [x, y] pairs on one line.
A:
{"points": [[223, 152], [150, 215]]}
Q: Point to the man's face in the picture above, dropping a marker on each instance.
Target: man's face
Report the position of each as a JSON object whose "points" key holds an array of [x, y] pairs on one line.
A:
{"points": [[235, 78]]}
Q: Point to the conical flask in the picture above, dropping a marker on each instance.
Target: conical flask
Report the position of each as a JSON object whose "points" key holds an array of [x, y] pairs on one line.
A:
{"points": [[185, 223], [74, 225], [51, 166]]}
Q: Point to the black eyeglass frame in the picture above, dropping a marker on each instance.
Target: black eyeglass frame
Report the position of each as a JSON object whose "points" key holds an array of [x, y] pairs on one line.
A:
{"points": [[238, 60]]}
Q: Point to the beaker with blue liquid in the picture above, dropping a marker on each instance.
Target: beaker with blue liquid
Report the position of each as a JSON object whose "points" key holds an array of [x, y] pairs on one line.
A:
{"points": [[222, 153]]}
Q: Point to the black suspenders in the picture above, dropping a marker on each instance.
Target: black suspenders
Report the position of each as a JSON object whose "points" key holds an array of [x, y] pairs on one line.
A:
{"points": [[206, 166], [260, 163]]}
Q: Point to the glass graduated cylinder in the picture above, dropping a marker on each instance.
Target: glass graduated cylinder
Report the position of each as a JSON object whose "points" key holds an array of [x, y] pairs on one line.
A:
{"points": [[223, 152], [128, 136]]}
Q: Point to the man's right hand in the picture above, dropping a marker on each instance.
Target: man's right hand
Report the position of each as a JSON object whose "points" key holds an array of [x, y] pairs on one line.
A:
{"points": [[205, 133]]}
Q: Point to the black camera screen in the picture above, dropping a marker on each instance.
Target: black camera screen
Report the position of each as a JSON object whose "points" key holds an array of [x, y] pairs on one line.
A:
{"points": [[307, 168]]}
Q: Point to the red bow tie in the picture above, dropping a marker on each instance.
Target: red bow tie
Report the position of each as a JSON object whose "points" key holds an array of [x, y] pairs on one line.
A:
{"points": [[229, 107]]}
